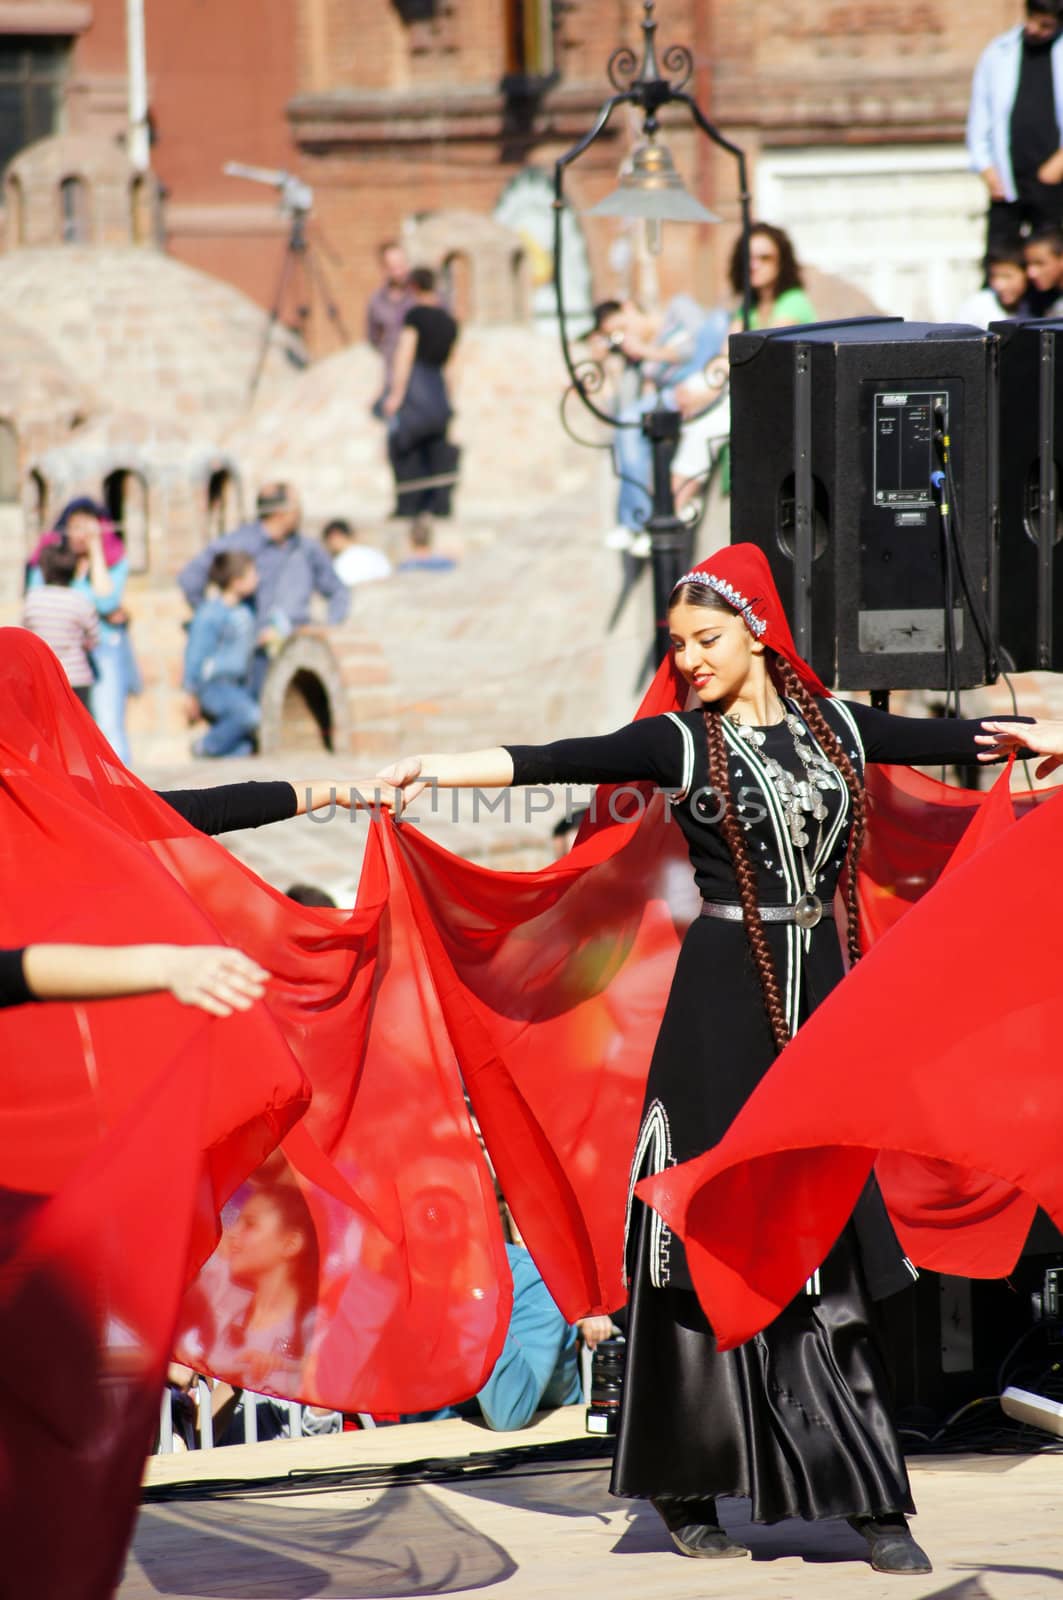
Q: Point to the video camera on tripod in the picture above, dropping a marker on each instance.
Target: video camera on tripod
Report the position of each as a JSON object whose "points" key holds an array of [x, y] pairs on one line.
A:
{"points": [[296, 203], [296, 197]]}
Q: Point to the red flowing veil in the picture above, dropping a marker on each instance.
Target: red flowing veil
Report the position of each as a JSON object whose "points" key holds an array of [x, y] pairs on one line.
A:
{"points": [[137, 1133]]}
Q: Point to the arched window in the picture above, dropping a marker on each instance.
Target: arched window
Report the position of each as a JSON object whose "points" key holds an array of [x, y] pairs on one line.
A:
{"points": [[36, 503], [125, 494], [223, 502], [142, 210], [457, 285], [519, 281], [75, 215], [15, 205], [10, 488]]}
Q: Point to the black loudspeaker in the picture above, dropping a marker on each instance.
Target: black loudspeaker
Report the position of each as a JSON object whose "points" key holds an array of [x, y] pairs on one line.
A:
{"points": [[951, 1341], [1031, 447], [840, 436]]}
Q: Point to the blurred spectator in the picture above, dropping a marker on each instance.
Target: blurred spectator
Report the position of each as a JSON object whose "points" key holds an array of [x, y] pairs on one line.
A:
{"points": [[386, 312], [308, 894], [291, 569], [421, 557], [1044, 269], [1013, 126], [102, 569], [779, 301], [660, 349], [779, 298], [1004, 299], [271, 1253], [219, 656], [418, 406], [564, 832], [538, 1369], [64, 618], [353, 561]]}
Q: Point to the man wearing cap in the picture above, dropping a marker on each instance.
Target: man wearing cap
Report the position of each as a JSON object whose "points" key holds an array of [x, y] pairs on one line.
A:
{"points": [[290, 568]]}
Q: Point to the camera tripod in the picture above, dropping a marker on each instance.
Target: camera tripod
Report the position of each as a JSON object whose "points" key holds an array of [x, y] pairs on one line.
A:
{"points": [[300, 271]]}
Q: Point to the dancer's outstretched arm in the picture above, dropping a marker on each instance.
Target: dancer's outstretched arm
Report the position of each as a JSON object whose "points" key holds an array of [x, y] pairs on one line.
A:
{"points": [[212, 977]]}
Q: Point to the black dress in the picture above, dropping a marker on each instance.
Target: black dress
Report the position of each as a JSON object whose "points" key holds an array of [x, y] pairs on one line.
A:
{"points": [[798, 1418], [417, 434]]}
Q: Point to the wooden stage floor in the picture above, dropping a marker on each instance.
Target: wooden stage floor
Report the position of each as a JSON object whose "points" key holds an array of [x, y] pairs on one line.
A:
{"points": [[992, 1524]]}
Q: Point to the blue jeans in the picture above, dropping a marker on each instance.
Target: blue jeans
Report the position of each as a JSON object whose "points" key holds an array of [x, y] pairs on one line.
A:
{"points": [[112, 658], [233, 713], [632, 451]]}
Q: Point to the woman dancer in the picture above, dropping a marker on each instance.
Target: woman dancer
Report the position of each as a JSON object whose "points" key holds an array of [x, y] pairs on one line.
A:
{"points": [[764, 777]]}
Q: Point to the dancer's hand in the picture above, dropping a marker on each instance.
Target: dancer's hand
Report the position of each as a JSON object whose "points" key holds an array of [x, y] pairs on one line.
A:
{"points": [[354, 794], [404, 776], [212, 977], [1006, 738]]}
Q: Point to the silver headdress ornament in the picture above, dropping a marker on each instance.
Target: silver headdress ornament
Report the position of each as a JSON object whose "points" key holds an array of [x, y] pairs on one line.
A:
{"points": [[728, 592]]}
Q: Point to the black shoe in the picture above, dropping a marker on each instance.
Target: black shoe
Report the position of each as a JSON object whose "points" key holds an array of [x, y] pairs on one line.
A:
{"points": [[695, 1530], [893, 1549]]}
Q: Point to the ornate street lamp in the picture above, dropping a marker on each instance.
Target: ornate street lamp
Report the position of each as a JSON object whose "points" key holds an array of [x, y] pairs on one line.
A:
{"points": [[650, 191]]}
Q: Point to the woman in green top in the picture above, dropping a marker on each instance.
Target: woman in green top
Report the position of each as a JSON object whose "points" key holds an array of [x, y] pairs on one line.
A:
{"points": [[779, 300]]}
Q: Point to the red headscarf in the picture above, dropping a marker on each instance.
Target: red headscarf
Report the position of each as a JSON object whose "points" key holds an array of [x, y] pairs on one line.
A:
{"points": [[739, 574]]}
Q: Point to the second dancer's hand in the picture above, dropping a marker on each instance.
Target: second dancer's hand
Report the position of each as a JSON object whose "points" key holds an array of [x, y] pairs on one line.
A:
{"points": [[214, 978], [1009, 738], [404, 778], [357, 794]]}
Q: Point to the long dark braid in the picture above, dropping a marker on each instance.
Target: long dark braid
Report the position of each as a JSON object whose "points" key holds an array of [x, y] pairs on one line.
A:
{"points": [[830, 744], [746, 876]]}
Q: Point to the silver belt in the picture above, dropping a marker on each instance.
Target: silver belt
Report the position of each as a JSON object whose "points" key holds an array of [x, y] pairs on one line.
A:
{"points": [[727, 911]]}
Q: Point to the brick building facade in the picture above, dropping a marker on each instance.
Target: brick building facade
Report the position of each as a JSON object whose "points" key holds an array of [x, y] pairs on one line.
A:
{"points": [[852, 115]]}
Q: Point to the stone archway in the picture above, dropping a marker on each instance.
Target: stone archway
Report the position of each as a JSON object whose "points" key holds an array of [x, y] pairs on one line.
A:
{"points": [[304, 705]]}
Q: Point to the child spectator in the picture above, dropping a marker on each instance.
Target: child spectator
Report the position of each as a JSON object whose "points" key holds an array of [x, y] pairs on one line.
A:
{"points": [[1004, 299], [64, 618], [1044, 268], [421, 557], [352, 561], [218, 657]]}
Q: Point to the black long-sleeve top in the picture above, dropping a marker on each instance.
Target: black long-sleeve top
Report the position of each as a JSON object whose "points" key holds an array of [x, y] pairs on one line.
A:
{"points": [[221, 809], [671, 752], [229, 806]]}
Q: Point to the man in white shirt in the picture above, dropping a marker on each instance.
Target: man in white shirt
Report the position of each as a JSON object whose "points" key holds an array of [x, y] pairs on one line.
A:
{"points": [[352, 562], [1014, 126]]}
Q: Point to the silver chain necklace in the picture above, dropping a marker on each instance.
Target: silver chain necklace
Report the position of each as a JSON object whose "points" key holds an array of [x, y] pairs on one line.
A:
{"points": [[801, 800]]}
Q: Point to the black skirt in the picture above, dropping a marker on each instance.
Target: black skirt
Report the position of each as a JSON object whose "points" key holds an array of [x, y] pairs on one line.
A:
{"points": [[797, 1419]]}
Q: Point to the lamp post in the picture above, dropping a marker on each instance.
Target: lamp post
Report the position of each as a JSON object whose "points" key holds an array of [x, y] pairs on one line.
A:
{"points": [[652, 192]]}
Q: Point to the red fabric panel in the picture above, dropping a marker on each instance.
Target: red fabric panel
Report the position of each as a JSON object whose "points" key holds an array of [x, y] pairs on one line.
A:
{"points": [[87, 1306], [941, 1045], [552, 985], [380, 1197]]}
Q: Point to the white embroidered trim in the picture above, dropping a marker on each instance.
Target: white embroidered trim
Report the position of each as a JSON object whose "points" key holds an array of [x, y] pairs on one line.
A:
{"points": [[688, 758], [728, 592], [654, 1143]]}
